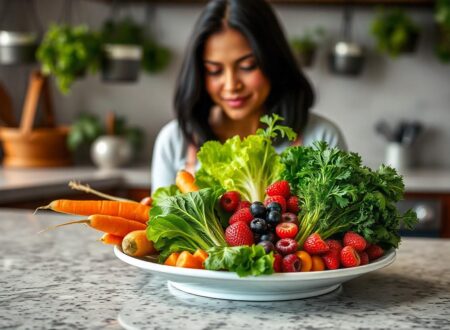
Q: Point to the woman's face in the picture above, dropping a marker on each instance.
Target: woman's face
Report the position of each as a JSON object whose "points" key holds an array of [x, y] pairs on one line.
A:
{"points": [[233, 79]]}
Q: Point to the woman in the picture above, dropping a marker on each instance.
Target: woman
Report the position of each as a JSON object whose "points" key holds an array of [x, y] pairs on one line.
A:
{"points": [[238, 67]]}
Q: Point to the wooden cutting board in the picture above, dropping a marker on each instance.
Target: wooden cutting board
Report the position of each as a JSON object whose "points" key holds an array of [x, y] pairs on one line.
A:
{"points": [[6, 109]]}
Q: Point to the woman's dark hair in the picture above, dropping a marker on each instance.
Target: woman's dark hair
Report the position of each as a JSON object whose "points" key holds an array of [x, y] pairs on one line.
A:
{"points": [[291, 95]]}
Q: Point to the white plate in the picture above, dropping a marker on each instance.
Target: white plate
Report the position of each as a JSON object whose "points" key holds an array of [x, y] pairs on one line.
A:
{"points": [[278, 286]]}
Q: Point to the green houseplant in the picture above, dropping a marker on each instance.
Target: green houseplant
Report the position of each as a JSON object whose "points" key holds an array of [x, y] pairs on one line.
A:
{"points": [[394, 31], [442, 18], [68, 52], [305, 46]]}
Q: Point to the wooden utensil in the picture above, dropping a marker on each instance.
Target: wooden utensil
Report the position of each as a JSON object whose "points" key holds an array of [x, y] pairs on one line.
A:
{"points": [[6, 109]]}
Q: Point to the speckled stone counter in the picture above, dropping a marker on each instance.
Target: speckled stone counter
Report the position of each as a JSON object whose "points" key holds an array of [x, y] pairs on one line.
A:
{"points": [[66, 279]]}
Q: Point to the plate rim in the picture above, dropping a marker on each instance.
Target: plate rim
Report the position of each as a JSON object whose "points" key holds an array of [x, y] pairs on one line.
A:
{"points": [[146, 264]]}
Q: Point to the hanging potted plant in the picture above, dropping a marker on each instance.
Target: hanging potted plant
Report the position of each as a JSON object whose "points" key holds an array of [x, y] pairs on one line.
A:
{"points": [[122, 50], [305, 46], [442, 18], [68, 52], [155, 57], [395, 33], [17, 47]]}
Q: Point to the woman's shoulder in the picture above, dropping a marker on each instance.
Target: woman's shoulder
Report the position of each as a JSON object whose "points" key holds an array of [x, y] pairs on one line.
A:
{"points": [[323, 129]]}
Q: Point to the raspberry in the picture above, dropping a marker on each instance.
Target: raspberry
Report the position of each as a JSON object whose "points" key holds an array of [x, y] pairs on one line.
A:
{"points": [[239, 234], [363, 256], [374, 252], [279, 188], [314, 244], [356, 240], [331, 259], [334, 245], [277, 199], [349, 257], [278, 263], [243, 205], [286, 230], [241, 215], [291, 263], [286, 246], [230, 201], [292, 204]]}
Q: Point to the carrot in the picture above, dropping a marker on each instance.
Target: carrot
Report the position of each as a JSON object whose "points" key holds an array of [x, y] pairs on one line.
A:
{"points": [[185, 182], [136, 244], [108, 224], [128, 210], [172, 259], [111, 239], [187, 260], [201, 255]]}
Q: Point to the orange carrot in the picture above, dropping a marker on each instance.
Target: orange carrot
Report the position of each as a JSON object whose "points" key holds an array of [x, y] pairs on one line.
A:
{"points": [[187, 260], [111, 239], [108, 224], [185, 182], [172, 259], [128, 210], [136, 244], [201, 255]]}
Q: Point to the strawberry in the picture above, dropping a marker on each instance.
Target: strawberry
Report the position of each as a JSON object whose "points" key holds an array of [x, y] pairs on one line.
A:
{"points": [[243, 205], [230, 201], [292, 204], [314, 244], [241, 215], [286, 230], [239, 234], [279, 188], [278, 263], [331, 259], [356, 240], [334, 245], [364, 257], [349, 257], [277, 199], [374, 251]]}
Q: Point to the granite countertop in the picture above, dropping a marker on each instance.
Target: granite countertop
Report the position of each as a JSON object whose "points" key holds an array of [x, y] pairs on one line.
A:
{"points": [[66, 279]]}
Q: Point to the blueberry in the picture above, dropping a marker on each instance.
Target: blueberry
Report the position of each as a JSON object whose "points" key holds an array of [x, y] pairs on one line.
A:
{"points": [[258, 210], [274, 206], [268, 246], [273, 217], [258, 226], [268, 237]]}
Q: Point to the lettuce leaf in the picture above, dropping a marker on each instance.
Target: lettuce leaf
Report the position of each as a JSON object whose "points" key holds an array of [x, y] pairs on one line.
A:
{"points": [[244, 260], [186, 222], [247, 166]]}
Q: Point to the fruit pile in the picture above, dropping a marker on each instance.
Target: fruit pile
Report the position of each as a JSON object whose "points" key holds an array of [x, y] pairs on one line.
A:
{"points": [[274, 225]]}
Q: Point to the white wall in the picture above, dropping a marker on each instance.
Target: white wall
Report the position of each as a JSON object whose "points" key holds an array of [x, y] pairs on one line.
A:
{"points": [[411, 87]]}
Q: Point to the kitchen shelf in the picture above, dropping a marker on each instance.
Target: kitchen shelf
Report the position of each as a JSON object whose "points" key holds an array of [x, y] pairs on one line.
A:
{"points": [[427, 3]]}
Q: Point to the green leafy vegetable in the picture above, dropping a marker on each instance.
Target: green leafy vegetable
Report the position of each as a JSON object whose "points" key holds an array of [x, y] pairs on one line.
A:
{"points": [[337, 194], [247, 166], [244, 260], [186, 222], [164, 192]]}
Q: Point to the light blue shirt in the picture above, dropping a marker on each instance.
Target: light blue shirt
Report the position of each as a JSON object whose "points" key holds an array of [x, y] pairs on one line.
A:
{"points": [[169, 152]]}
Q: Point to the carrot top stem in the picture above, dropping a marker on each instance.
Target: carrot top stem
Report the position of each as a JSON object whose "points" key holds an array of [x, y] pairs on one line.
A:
{"points": [[85, 221], [87, 189]]}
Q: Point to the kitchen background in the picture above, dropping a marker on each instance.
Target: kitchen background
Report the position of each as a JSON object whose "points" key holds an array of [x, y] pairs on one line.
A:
{"points": [[410, 87]]}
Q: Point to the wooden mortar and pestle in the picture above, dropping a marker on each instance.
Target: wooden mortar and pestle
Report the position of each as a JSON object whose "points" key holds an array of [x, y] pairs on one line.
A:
{"points": [[28, 146]]}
